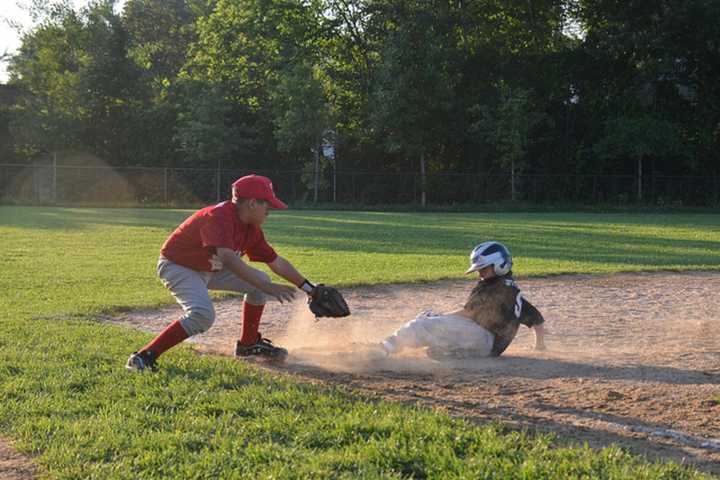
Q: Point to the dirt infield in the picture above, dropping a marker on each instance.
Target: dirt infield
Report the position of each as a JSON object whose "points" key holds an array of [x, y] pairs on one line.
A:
{"points": [[14, 466], [633, 359]]}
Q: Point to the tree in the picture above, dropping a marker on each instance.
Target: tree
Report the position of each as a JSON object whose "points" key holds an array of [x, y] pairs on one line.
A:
{"points": [[507, 128], [47, 68], [302, 116], [206, 133], [79, 82], [653, 60], [638, 138], [109, 83], [245, 47], [414, 92], [160, 33]]}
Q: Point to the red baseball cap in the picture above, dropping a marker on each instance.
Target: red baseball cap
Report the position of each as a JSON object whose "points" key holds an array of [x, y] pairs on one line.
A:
{"points": [[258, 187]]}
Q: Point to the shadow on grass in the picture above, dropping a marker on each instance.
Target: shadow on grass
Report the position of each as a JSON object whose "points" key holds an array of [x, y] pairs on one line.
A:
{"points": [[55, 218], [571, 426], [595, 238]]}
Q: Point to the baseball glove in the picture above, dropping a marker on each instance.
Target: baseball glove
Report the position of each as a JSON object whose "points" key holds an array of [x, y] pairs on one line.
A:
{"points": [[326, 301]]}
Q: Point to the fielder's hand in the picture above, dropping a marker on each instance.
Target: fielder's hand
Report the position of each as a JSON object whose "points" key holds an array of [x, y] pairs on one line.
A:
{"points": [[282, 293]]}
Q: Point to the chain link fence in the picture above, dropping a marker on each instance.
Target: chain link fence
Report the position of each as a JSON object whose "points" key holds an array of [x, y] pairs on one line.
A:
{"points": [[130, 186]]}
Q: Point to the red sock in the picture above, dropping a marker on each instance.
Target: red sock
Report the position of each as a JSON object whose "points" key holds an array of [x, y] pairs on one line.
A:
{"points": [[251, 323], [168, 338]]}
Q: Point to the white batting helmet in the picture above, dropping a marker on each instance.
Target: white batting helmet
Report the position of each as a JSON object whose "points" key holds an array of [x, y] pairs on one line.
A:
{"points": [[491, 253]]}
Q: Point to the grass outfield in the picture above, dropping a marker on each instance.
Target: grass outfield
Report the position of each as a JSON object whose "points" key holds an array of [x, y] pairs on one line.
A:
{"points": [[65, 397]]}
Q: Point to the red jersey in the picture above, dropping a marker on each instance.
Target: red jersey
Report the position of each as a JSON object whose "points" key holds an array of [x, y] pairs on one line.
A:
{"points": [[196, 240]]}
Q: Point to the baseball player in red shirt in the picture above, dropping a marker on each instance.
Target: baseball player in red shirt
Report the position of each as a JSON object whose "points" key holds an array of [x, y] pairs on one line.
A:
{"points": [[204, 253]]}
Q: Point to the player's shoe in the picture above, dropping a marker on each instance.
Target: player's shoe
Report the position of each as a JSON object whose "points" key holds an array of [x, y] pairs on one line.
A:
{"points": [[263, 348], [139, 361]]}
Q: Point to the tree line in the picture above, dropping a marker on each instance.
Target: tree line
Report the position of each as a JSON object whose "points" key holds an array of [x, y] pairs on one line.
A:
{"points": [[521, 86]]}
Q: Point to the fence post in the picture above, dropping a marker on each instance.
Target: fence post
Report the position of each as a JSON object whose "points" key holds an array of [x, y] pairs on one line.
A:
{"points": [[615, 194], [654, 187], [595, 194], [165, 186], [352, 182], [578, 187], [316, 174], [36, 193], [54, 178], [639, 184], [423, 180], [294, 187], [512, 180]]}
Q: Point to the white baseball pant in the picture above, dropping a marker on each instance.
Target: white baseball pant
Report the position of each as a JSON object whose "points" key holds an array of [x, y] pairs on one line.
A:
{"points": [[430, 329]]}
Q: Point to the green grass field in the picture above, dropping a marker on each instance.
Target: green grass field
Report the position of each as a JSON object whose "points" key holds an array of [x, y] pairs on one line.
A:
{"points": [[66, 399]]}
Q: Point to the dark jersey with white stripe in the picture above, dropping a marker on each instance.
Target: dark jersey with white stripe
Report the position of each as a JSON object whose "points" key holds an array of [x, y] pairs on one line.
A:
{"points": [[498, 306]]}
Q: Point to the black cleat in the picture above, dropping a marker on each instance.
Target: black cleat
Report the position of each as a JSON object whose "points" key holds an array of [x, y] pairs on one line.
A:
{"points": [[139, 361], [262, 348]]}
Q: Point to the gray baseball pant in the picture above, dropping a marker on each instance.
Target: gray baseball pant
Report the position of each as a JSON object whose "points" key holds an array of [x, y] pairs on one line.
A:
{"points": [[191, 290]]}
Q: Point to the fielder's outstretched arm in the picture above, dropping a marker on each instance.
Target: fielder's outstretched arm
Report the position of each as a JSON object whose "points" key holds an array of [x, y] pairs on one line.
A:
{"points": [[232, 262], [283, 268]]}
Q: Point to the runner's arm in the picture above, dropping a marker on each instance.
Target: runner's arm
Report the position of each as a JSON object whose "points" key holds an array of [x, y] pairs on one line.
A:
{"points": [[539, 331], [463, 312]]}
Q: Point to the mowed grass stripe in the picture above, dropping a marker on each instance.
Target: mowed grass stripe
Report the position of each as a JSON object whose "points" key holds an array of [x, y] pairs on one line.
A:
{"points": [[89, 260], [65, 397]]}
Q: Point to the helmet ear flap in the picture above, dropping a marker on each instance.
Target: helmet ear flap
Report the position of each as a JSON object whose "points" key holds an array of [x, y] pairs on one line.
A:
{"points": [[502, 268]]}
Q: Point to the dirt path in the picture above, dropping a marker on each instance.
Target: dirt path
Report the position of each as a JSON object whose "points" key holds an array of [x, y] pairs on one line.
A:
{"points": [[634, 359], [14, 466]]}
